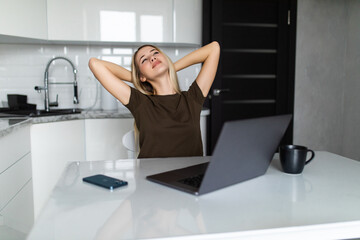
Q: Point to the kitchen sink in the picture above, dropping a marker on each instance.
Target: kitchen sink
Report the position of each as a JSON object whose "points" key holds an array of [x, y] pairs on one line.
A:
{"points": [[11, 113], [54, 112]]}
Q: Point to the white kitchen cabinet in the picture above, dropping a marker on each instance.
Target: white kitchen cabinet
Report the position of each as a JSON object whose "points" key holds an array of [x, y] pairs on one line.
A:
{"points": [[125, 21], [19, 213], [23, 18], [16, 198], [122, 21], [14, 178], [53, 145], [203, 124], [103, 138], [110, 20], [188, 21], [14, 146]]}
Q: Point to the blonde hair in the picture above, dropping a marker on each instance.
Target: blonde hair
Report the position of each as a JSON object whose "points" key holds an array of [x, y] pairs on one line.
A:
{"points": [[145, 87]]}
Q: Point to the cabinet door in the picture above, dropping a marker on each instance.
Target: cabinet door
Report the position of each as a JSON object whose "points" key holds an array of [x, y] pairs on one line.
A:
{"points": [[110, 20], [16, 198], [14, 146], [23, 18], [13, 179], [104, 138], [53, 145], [19, 214], [188, 21]]}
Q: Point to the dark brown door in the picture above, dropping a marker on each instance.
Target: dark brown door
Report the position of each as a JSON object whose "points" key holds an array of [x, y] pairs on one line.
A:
{"points": [[255, 76]]}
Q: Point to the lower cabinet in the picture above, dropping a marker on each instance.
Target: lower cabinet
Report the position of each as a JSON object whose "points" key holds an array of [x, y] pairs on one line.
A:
{"points": [[203, 122], [19, 213], [103, 138], [53, 145], [16, 195]]}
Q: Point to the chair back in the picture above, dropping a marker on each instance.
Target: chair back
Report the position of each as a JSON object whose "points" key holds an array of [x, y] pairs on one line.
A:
{"points": [[128, 141]]}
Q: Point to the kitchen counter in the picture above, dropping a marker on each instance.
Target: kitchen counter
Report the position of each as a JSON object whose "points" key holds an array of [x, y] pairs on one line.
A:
{"points": [[85, 114], [7, 125], [321, 203]]}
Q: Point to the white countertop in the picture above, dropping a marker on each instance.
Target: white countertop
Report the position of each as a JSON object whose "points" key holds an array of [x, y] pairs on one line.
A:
{"points": [[323, 201]]}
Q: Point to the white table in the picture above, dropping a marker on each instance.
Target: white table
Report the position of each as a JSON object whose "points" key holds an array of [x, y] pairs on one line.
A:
{"points": [[324, 201]]}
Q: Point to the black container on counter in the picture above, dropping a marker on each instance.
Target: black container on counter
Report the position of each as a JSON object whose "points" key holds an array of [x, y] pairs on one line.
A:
{"points": [[17, 101]]}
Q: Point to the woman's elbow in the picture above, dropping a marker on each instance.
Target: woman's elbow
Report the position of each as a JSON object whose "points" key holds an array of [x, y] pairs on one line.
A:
{"points": [[215, 44], [92, 62], [215, 47]]}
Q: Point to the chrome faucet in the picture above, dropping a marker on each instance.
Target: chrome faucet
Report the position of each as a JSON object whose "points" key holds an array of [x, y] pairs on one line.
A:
{"points": [[49, 104]]}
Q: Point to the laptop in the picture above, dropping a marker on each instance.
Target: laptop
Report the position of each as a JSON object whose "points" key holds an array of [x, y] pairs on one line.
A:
{"points": [[243, 151]]}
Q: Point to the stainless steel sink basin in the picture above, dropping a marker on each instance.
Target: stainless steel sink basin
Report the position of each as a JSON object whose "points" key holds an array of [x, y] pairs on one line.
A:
{"points": [[54, 112], [10, 113]]}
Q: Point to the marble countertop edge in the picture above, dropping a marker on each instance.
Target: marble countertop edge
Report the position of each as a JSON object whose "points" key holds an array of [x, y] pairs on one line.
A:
{"points": [[8, 125]]}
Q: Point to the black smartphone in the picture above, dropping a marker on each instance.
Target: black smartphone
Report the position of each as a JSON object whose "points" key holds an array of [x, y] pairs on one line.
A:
{"points": [[105, 181]]}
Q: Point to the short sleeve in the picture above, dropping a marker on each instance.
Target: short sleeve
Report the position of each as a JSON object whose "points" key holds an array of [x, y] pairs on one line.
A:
{"points": [[135, 100], [196, 93]]}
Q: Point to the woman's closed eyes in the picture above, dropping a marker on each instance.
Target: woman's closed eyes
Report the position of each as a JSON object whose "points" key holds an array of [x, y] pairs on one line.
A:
{"points": [[154, 54]]}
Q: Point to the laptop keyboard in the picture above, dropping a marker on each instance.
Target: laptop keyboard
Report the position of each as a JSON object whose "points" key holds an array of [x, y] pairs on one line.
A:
{"points": [[194, 181]]}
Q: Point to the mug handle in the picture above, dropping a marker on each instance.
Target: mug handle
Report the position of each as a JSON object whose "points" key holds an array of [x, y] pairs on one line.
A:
{"points": [[312, 156]]}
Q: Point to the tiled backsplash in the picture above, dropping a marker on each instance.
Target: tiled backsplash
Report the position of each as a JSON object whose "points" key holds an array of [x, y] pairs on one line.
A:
{"points": [[22, 68]]}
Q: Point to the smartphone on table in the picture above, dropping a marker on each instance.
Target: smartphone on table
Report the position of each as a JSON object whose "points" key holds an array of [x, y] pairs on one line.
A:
{"points": [[105, 181]]}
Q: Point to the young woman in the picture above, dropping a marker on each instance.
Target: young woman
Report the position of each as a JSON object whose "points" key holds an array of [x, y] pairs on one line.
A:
{"points": [[167, 119]]}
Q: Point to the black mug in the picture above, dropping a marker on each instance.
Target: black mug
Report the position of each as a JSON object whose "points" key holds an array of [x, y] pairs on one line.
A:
{"points": [[293, 158]]}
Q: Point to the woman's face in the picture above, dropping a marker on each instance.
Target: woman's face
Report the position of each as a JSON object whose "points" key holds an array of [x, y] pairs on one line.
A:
{"points": [[151, 62]]}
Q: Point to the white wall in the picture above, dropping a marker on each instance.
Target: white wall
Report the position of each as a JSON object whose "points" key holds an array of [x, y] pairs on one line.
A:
{"points": [[351, 140], [327, 67], [22, 67]]}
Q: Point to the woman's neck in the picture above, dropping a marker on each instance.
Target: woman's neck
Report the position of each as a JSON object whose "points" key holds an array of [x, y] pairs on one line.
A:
{"points": [[162, 86]]}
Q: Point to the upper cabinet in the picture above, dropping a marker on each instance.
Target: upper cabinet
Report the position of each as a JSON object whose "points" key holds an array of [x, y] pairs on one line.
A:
{"points": [[162, 21], [187, 21], [23, 18]]}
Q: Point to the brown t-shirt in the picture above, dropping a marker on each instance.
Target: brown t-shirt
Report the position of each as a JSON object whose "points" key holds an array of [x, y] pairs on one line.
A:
{"points": [[169, 125]]}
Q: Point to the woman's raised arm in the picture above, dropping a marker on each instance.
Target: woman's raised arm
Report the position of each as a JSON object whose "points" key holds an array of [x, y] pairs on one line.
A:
{"points": [[110, 76], [208, 55]]}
